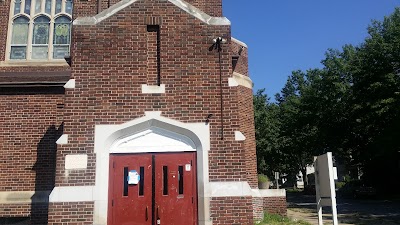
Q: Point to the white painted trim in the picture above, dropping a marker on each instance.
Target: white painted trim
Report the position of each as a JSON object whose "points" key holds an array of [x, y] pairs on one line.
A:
{"points": [[17, 197], [242, 80], [265, 193], [153, 89], [255, 193], [70, 84], [35, 63], [217, 189], [239, 136], [62, 140], [230, 189], [232, 82], [72, 194], [218, 21], [76, 162], [239, 42], [143, 142]]}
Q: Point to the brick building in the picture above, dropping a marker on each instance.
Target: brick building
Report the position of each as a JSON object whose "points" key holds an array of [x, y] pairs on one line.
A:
{"points": [[126, 112]]}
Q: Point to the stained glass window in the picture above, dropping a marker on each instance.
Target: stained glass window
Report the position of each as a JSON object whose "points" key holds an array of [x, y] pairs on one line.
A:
{"points": [[41, 29], [17, 7], [68, 7], [20, 31], [28, 7], [62, 28], [38, 6], [58, 6], [40, 38], [48, 6], [19, 38]]}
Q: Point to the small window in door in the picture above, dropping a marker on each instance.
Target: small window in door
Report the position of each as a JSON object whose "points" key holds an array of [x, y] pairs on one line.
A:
{"points": [[125, 180], [165, 180], [141, 182], [180, 180]]}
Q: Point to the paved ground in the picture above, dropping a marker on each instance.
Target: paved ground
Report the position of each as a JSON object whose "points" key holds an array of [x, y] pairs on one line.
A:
{"points": [[350, 212]]}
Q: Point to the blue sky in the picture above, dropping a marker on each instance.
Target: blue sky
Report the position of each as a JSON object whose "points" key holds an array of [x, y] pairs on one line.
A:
{"points": [[286, 35]]}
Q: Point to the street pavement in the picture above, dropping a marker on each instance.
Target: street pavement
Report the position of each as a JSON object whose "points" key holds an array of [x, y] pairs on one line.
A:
{"points": [[350, 211]]}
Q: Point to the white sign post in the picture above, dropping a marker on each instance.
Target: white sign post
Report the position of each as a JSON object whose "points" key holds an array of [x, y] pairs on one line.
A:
{"points": [[277, 179], [325, 185]]}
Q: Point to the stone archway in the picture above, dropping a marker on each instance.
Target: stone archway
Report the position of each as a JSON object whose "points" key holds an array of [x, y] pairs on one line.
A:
{"points": [[131, 137]]}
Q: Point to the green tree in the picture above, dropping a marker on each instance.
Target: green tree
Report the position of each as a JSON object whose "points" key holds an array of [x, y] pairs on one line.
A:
{"points": [[350, 107], [269, 158]]}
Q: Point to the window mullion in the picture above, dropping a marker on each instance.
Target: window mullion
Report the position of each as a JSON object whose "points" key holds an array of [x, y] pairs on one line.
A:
{"points": [[33, 9], [43, 9], [22, 7], [51, 35], [63, 6], [53, 8], [30, 39]]}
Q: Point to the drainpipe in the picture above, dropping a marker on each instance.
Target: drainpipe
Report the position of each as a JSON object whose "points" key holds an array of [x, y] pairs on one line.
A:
{"points": [[98, 6], [217, 45]]}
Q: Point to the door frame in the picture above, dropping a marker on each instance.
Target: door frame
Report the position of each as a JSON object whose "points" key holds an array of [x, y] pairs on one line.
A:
{"points": [[106, 137]]}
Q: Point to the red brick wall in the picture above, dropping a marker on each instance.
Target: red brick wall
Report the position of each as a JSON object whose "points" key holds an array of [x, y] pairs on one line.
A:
{"points": [[246, 115], [240, 51], [29, 124], [15, 210], [232, 211], [258, 208], [211, 7], [110, 64], [275, 205], [109, 78], [4, 12], [36, 213], [77, 213], [84, 8]]}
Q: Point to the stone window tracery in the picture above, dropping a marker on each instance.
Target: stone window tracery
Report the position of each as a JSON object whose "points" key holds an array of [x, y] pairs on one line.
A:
{"points": [[39, 29]]}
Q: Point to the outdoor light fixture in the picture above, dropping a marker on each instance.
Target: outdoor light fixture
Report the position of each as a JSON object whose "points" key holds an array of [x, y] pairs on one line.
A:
{"points": [[220, 40]]}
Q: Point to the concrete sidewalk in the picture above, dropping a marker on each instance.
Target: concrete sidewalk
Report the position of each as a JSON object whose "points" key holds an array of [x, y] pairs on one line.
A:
{"points": [[311, 216]]}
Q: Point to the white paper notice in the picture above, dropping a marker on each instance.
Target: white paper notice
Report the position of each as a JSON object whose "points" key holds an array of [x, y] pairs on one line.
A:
{"points": [[133, 177]]}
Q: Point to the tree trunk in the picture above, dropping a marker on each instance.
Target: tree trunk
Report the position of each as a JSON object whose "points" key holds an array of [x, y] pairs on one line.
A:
{"points": [[304, 173]]}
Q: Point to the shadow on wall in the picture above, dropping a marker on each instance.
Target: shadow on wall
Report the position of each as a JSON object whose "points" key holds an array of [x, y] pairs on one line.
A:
{"points": [[45, 169]]}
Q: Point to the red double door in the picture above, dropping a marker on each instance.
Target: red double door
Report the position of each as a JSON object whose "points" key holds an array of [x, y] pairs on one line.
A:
{"points": [[165, 193]]}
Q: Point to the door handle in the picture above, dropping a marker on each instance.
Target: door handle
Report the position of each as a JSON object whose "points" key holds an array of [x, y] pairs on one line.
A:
{"points": [[147, 213], [158, 218]]}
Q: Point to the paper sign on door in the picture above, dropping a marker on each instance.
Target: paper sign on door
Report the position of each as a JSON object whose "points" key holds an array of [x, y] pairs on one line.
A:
{"points": [[133, 177]]}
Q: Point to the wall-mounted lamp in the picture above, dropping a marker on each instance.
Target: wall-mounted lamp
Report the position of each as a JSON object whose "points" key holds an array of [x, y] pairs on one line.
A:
{"points": [[220, 40]]}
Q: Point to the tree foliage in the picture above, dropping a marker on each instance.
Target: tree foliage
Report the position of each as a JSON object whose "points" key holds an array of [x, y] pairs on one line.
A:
{"points": [[351, 107]]}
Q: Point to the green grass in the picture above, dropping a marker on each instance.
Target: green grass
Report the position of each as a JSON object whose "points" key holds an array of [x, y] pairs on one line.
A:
{"points": [[272, 219]]}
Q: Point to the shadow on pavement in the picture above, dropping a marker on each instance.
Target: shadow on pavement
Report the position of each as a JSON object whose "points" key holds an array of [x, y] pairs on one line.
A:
{"points": [[350, 211]]}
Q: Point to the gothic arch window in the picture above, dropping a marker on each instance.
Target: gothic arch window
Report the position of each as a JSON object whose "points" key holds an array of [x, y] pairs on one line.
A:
{"points": [[39, 29]]}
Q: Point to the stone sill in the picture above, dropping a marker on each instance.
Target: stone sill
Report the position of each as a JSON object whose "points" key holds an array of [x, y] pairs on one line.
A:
{"points": [[33, 63]]}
